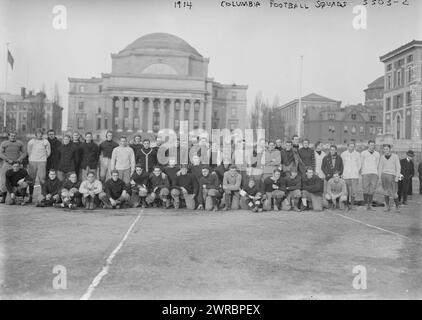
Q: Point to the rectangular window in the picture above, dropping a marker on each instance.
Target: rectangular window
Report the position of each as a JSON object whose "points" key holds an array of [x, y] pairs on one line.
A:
{"points": [[389, 67], [346, 129], [398, 78], [81, 123], [372, 118], [353, 116], [361, 129], [398, 101], [409, 74], [409, 58], [105, 123], [100, 88], [81, 105], [99, 124], [389, 81], [234, 112], [408, 98], [388, 104], [332, 116], [81, 89]]}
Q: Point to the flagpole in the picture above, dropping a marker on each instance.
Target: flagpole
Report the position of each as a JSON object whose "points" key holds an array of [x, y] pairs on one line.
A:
{"points": [[5, 88], [300, 112]]}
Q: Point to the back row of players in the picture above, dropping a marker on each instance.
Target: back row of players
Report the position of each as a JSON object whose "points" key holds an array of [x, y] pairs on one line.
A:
{"points": [[73, 173]]}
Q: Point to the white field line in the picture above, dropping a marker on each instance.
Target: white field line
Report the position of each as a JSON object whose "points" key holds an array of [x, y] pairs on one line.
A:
{"points": [[372, 226], [109, 260]]}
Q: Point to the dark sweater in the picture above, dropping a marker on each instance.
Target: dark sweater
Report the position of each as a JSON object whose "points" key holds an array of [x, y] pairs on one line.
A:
{"points": [[67, 184], [251, 191], [52, 187], [114, 189], [13, 177], [329, 166], [171, 174], [90, 154], [196, 171], [313, 185], [142, 179], [78, 154], [308, 157], [158, 182], [54, 158], [187, 181], [106, 148], [147, 158], [287, 157], [210, 181], [136, 148], [293, 184], [268, 184], [67, 157]]}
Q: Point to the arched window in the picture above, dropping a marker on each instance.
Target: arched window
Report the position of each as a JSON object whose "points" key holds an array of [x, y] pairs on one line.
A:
{"points": [[159, 68]]}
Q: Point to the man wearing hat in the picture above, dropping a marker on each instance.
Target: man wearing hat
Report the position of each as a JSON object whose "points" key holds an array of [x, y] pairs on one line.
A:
{"points": [[407, 172]]}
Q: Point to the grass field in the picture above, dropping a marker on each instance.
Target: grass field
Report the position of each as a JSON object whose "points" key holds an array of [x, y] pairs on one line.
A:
{"points": [[182, 254]]}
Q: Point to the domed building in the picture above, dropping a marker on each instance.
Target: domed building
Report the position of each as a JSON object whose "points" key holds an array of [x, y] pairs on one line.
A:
{"points": [[156, 81]]}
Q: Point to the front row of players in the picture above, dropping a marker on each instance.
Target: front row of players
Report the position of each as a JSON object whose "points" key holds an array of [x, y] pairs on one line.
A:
{"points": [[178, 187]]}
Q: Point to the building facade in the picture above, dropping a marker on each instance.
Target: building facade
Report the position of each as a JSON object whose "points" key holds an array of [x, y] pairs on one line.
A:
{"points": [[339, 126], [374, 94], [285, 117], [156, 82], [402, 105], [25, 113]]}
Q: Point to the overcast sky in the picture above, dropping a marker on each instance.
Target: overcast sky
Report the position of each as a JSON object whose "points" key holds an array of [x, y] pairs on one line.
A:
{"points": [[259, 47]]}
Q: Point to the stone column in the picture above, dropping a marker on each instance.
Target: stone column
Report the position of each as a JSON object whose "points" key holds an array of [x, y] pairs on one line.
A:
{"points": [[182, 110], [171, 114], [201, 115], [131, 105], [120, 108], [191, 114], [150, 112], [208, 116], [162, 114], [140, 113]]}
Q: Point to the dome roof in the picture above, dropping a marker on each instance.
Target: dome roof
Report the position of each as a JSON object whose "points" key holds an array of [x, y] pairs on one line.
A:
{"points": [[154, 41]]}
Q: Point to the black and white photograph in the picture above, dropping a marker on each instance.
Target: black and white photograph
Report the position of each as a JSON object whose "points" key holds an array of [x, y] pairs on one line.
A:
{"points": [[210, 150]]}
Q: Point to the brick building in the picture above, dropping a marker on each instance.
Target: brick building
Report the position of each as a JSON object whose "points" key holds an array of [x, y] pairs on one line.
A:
{"points": [[403, 94], [27, 112], [284, 119], [340, 125]]}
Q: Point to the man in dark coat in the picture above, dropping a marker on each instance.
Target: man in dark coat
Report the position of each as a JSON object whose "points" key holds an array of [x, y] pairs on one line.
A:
{"points": [[331, 163], [90, 155], [54, 158], [407, 171], [77, 144], [67, 155], [307, 157]]}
